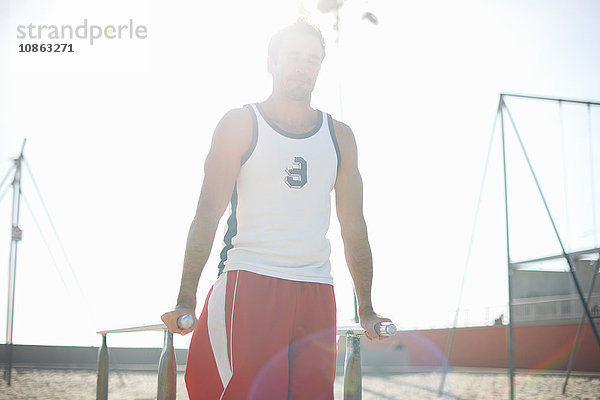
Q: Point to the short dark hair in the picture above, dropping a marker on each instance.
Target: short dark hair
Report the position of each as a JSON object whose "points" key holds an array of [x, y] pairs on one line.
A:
{"points": [[300, 26]]}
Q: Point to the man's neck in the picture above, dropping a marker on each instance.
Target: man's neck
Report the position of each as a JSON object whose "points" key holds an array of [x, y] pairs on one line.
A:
{"points": [[293, 115]]}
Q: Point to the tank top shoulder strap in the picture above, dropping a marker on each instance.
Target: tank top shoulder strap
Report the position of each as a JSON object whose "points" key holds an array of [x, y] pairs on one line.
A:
{"points": [[336, 146], [254, 114]]}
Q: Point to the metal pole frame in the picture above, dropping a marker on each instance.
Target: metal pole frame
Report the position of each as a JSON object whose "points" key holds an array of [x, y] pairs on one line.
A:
{"points": [[511, 361], [560, 242], [522, 96], [575, 347], [450, 341], [564, 253], [16, 237]]}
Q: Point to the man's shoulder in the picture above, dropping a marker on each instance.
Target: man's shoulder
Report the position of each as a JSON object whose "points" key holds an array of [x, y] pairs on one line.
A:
{"points": [[340, 126], [240, 117], [233, 134], [343, 133], [235, 123]]}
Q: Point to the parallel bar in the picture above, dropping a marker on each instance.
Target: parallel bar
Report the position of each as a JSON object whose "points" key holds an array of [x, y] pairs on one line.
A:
{"points": [[342, 330], [167, 367], [550, 99], [352, 329], [137, 328]]}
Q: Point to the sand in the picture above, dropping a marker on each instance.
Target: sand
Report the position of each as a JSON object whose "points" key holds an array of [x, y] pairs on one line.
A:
{"points": [[56, 384]]}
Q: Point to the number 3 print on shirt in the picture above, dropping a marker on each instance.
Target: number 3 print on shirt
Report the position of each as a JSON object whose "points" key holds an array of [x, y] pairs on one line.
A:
{"points": [[296, 176]]}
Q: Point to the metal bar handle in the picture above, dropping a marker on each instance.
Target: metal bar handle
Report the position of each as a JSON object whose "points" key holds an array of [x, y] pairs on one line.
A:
{"points": [[185, 321], [385, 328]]}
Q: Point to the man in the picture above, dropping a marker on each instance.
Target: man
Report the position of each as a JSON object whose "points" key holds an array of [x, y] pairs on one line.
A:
{"points": [[267, 330]]}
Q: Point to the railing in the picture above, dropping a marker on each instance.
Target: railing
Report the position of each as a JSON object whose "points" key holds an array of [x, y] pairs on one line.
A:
{"points": [[548, 309], [167, 366], [556, 308]]}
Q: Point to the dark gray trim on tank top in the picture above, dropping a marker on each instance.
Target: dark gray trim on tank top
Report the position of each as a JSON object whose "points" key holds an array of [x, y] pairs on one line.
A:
{"points": [[334, 140], [290, 134], [231, 230], [250, 150]]}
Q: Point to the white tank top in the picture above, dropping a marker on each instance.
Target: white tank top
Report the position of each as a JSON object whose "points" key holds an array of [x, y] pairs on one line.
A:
{"points": [[281, 204]]}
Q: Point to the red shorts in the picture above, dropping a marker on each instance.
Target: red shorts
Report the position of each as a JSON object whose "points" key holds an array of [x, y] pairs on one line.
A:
{"points": [[261, 338]]}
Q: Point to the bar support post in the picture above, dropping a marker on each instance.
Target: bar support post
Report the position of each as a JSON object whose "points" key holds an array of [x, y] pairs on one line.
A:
{"points": [[167, 370], [352, 369], [102, 381]]}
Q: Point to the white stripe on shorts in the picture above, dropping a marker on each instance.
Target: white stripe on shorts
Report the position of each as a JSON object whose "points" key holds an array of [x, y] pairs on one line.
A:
{"points": [[217, 332]]}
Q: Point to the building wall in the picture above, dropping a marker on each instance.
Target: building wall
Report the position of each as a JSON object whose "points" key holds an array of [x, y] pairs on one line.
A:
{"points": [[536, 347], [532, 284]]}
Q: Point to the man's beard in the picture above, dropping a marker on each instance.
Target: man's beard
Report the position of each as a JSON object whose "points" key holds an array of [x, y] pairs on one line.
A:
{"points": [[297, 91]]}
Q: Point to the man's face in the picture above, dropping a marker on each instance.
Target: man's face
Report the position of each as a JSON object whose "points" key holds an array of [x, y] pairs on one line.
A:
{"points": [[297, 65]]}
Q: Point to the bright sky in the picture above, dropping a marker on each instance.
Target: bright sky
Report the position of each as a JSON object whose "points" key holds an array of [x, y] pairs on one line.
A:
{"points": [[117, 133]]}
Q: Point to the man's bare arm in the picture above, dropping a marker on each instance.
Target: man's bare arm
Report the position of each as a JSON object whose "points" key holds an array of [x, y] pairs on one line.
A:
{"points": [[231, 139], [349, 205]]}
